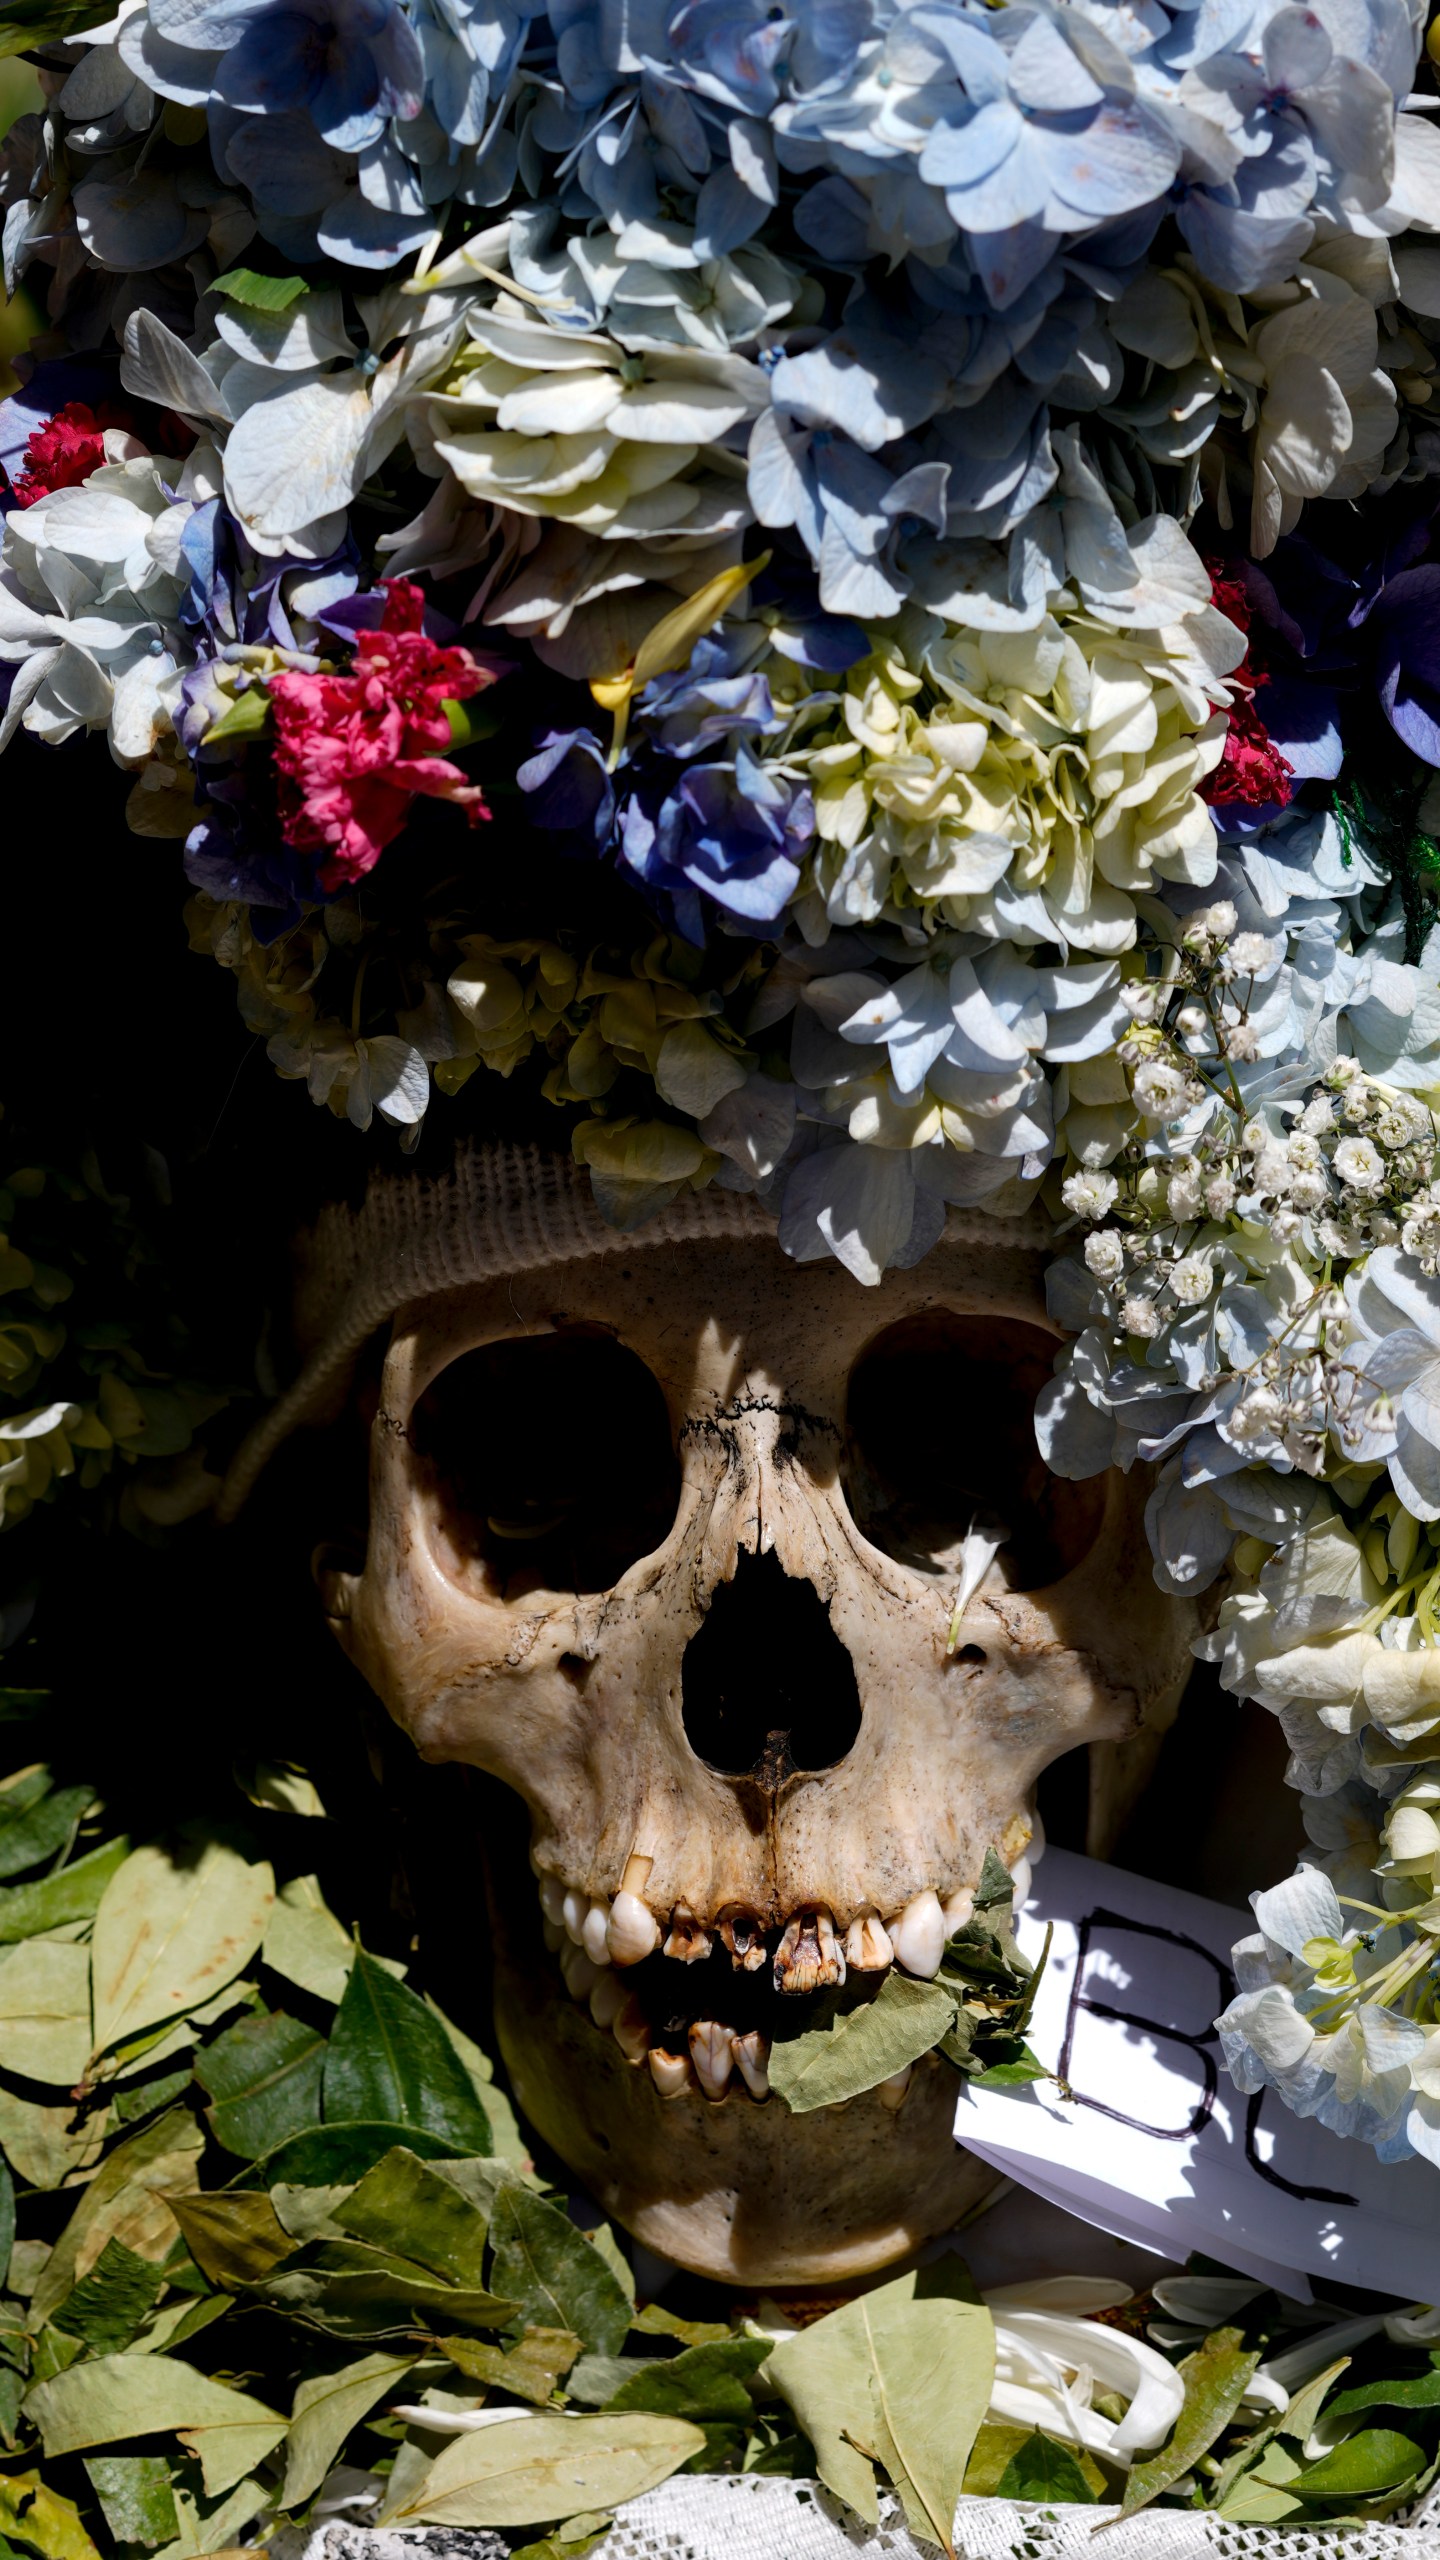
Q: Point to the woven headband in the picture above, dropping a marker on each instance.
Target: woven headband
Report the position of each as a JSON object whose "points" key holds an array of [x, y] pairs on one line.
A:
{"points": [[500, 1210]]}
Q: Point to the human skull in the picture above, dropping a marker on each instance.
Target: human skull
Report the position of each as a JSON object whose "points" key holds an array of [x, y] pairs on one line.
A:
{"points": [[669, 1539]]}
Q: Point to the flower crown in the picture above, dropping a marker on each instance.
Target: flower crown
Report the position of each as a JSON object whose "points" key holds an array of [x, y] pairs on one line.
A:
{"points": [[947, 496]]}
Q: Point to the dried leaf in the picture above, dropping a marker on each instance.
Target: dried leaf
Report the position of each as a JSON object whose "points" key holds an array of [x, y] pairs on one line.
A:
{"points": [[171, 1930], [531, 2370], [902, 2375], [558, 2278], [326, 2408], [533, 2470], [235, 2238], [109, 2399], [863, 2046], [45, 2011], [124, 2201], [305, 1943], [35, 2516]]}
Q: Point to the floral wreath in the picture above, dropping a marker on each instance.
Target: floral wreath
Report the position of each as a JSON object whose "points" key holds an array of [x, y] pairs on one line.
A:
{"points": [[948, 499]]}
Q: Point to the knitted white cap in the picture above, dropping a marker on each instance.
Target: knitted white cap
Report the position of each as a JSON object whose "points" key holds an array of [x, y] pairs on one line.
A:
{"points": [[500, 1210]]}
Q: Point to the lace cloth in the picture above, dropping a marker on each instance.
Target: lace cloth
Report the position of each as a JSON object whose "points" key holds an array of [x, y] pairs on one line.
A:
{"points": [[694, 2518]]}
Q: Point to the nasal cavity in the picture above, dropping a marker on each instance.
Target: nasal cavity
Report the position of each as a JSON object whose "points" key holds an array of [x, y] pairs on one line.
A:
{"points": [[767, 1687]]}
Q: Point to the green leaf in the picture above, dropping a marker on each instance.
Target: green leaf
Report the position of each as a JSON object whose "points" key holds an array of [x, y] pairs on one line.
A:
{"points": [[559, 2280], [506, 2137], [24, 23], [36, 2517], [248, 716], [7, 2223], [45, 2011], [470, 721], [114, 2397], [861, 2047], [124, 2201], [403, 2206], [135, 2496], [235, 2239], [1411, 2391], [1364, 2466], [145, 2097], [390, 2060], [700, 2383], [256, 292], [995, 2448], [1013, 2073], [172, 1928], [534, 2470], [1042, 2468], [335, 2155], [73, 1893], [327, 2406], [1214, 2377], [35, 1825], [905, 2372], [17, 1706], [531, 2370], [111, 2305], [656, 2322], [264, 2078]]}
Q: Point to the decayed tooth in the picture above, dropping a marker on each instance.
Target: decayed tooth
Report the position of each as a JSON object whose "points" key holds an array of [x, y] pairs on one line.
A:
{"points": [[630, 2031], [713, 2055], [580, 1974], [892, 2091], [607, 1999], [553, 1935], [669, 2071], [957, 1907], [552, 1898], [808, 1957], [687, 1942], [634, 1931], [919, 1934], [595, 1935], [752, 2061], [741, 1933], [572, 1911], [867, 1943]]}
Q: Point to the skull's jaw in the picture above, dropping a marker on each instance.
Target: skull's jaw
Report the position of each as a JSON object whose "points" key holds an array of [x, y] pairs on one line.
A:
{"points": [[745, 2194]]}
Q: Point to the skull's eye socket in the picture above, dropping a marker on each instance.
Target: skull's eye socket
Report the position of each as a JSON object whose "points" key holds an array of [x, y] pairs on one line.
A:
{"points": [[547, 1465], [940, 1439]]}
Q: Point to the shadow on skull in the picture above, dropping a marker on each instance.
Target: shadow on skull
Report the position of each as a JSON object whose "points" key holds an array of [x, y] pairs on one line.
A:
{"points": [[752, 1587]]}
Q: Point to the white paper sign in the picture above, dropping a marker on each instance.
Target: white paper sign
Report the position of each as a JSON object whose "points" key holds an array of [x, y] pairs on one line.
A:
{"points": [[1153, 2141]]}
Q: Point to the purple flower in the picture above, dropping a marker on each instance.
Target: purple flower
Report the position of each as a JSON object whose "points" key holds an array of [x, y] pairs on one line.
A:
{"points": [[1404, 624]]}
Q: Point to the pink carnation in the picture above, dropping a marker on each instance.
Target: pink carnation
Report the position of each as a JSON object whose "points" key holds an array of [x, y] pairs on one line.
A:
{"points": [[66, 449], [354, 749]]}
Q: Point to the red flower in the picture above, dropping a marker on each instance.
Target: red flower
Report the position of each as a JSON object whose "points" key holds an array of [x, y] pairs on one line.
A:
{"points": [[66, 449], [354, 749], [1252, 770]]}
